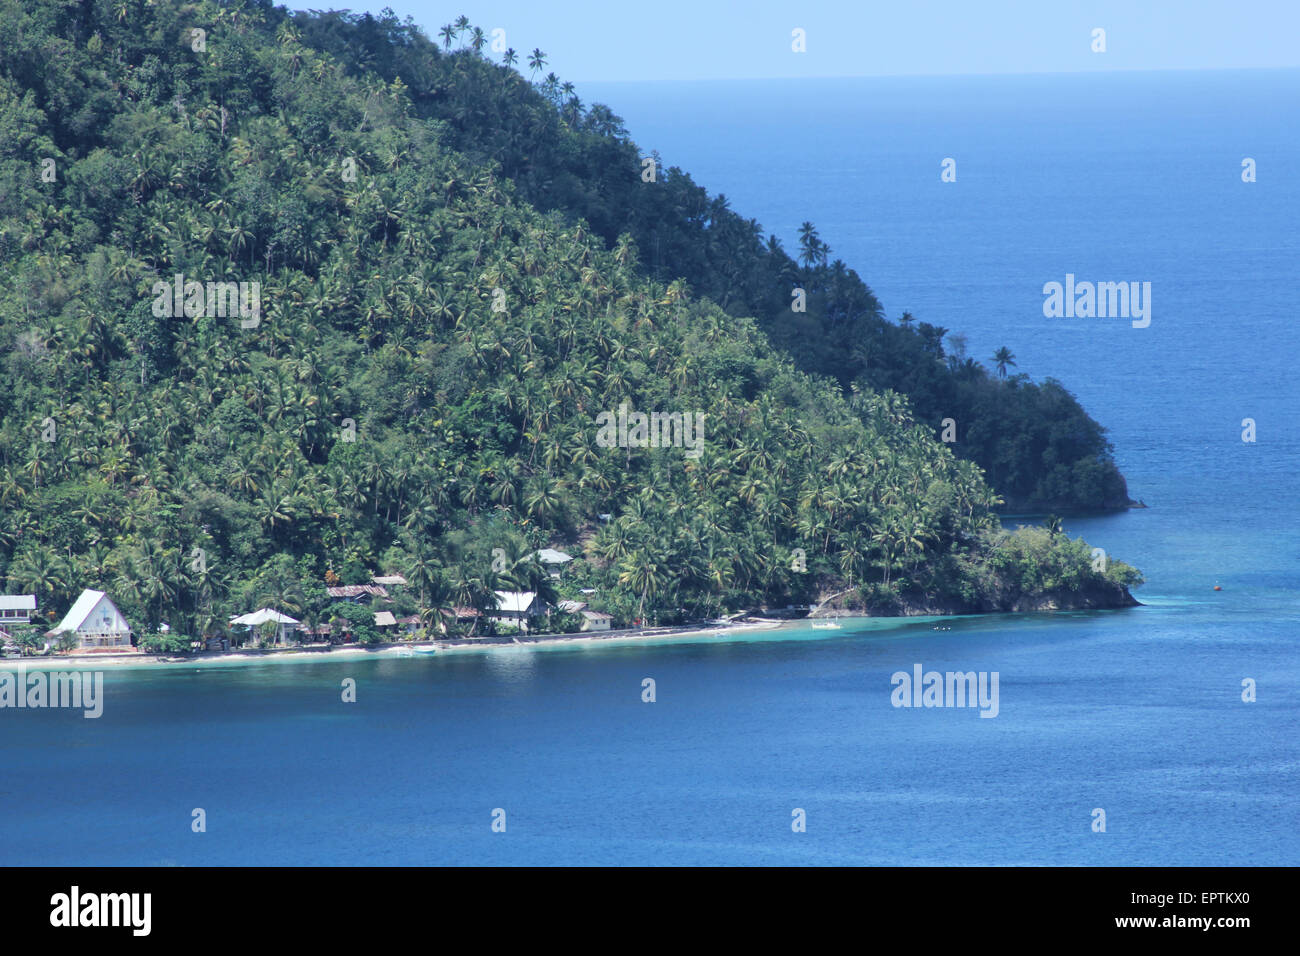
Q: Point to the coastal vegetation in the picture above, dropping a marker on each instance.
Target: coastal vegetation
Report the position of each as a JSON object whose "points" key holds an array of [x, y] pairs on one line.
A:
{"points": [[1034, 442], [457, 272]]}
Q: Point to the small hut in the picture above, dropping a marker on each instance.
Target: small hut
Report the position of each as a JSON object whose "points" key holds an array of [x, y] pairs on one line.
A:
{"points": [[266, 616]]}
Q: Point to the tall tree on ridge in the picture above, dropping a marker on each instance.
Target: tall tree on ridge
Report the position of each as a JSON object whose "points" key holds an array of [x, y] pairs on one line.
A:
{"points": [[1002, 358], [536, 60]]}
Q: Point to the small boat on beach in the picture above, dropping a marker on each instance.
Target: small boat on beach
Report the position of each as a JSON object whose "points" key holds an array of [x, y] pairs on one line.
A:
{"points": [[431, 649]]}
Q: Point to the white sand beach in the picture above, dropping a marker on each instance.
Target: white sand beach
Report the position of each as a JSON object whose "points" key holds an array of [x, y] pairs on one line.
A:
{"points": [[321, 652]]}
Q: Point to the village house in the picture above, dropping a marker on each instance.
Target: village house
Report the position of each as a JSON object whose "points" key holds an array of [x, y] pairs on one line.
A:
{"points": [[517, 608], [554, 560], [591, 620], [318, 634], [96, 622], [410, 624], [17, 608], [458, 616], [357, 593], [255, 621]]}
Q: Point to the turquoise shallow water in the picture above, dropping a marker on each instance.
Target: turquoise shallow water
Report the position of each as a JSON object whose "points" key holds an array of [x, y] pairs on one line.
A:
{"points": [[1137, 712]]}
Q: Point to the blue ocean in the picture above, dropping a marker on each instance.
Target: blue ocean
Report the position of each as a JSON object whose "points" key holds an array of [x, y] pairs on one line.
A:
{"points": [[1138, 713]]}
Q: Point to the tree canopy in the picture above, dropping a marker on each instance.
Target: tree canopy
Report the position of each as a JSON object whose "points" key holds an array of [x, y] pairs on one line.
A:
{"points": [[442, 316]]}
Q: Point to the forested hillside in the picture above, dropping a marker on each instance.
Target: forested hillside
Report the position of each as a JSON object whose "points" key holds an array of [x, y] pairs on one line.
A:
{"points": [[428, 339], [1037, 446]]}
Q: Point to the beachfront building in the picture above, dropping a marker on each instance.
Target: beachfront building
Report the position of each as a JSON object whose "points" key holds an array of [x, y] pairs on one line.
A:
{"points": [[95, 621], [357, 593], [16, 608], [517, 608], [266, 616], [318, 634], [554, 560], [591, 620]]}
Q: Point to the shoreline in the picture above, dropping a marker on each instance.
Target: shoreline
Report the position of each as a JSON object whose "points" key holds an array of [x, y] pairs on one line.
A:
{"points": [[406, 650], [392, 651]]}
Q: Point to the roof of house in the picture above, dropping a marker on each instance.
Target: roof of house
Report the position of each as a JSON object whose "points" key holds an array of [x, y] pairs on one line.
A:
{"points": [[571, 607], [409, 619], [597, 616], [262, 616], [79, 611], [17, 602], [356, 590], [515, 600], [459, 612], [551, 556], [388, 579], [384, 619]]}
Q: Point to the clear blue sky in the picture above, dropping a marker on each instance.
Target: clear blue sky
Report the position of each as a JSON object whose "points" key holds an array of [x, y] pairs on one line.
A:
{"points": [[745, 39]]}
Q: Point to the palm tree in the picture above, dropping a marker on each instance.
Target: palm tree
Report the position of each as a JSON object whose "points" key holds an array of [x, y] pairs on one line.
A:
{"points": [[543, 498], [37, 573], [157, 570], [536, 61], [642, 570], [471, 591], [813, 251], [853, 555], [1002, 358], [423, 573], [273, 508], [888, 540]]}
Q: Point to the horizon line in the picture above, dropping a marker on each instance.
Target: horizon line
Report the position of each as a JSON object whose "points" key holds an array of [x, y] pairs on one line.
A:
{"points": [[901, 76]]}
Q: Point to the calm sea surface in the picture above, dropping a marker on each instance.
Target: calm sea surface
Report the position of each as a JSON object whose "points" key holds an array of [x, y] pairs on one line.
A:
{"points": [[1138, 712]]}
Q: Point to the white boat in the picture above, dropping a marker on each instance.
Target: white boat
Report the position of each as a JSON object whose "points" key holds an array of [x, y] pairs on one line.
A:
{"points": [[826, 624], [431, 649]]}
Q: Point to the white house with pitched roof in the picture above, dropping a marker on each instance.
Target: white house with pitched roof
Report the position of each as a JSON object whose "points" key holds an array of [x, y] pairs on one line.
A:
{"points": [[518, 608], [96, 622]]}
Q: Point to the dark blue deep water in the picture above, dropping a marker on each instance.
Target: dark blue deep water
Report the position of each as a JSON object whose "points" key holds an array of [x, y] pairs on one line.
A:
{"points": [[1138, 712]]}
